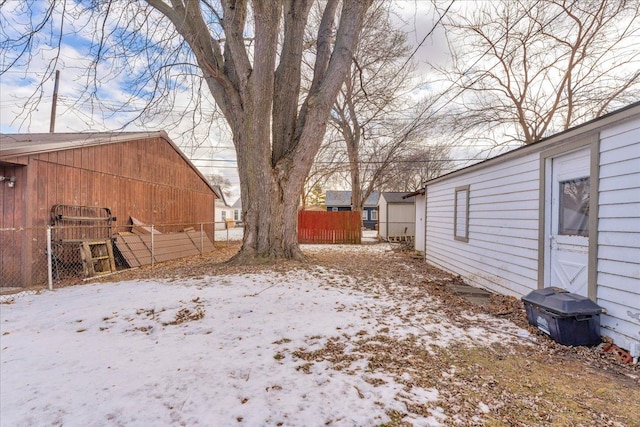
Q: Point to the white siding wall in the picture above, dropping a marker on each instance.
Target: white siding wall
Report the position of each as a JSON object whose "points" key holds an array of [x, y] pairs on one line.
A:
{"points": [[220, 207], [382, 217], [502, 252], [419, 208], [619, 232], [402, 219]]}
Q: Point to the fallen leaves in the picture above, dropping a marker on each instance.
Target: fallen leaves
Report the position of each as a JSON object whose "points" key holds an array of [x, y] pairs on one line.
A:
{"points": [[513, 383]]}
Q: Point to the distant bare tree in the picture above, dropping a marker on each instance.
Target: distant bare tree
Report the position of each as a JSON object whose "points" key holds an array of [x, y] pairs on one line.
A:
{"points": [[220, 181], [529, 68], [373, 114], [329, 163], [415, 166]]}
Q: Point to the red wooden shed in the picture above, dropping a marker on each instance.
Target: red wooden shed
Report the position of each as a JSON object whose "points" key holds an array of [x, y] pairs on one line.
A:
{"points": [[134, 174]]}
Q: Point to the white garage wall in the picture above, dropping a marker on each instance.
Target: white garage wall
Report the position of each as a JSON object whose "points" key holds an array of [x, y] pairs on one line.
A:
{"points": [[618, 277], [502, 251]]}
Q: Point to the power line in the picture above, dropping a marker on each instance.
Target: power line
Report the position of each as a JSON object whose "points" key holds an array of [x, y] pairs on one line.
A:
{"points": [[366, 162], [424, 110]]}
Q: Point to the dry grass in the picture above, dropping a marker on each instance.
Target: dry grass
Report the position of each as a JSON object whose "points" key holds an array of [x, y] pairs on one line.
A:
{"points": [[544, 384]]}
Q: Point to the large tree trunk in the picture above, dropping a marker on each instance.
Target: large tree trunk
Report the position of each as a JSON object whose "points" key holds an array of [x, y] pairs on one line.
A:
{"points": [[258, 91], [270, 204]]}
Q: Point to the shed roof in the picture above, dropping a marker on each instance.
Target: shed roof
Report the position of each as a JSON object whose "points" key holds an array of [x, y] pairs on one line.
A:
{"points": [[237, 204], [415, 193], [397, 197], [17, 145], [24, 144], [343, 198]]}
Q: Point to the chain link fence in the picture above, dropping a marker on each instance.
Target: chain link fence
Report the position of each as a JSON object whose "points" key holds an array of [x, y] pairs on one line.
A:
{"points": [[50, 257], [23, 260]]}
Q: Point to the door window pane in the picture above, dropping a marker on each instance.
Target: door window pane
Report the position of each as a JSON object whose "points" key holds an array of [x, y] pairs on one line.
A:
{"points": [[574, 207]]}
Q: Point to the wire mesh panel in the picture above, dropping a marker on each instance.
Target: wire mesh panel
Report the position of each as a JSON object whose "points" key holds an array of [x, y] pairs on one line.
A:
{"points": [[36, 258], [23, 258], [66, 262]]}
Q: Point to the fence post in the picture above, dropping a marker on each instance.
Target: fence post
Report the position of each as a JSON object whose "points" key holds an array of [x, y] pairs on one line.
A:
{"points": [[152, 248], [49, 259], [201, 238]]}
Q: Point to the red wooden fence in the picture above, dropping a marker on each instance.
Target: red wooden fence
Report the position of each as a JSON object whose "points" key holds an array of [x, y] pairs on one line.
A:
{"points": [[330, 227]]}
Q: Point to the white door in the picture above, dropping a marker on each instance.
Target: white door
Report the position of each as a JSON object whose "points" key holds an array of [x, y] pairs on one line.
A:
{"points": [[569, 227]]}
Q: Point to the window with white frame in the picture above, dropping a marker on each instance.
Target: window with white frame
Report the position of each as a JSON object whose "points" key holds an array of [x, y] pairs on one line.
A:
{"points": [[365, 215], [374, 215], [461, 214]]}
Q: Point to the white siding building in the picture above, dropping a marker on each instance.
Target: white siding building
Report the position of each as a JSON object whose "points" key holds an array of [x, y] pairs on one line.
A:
{"points": [[224, 212], [562, 212], [396, 216]]}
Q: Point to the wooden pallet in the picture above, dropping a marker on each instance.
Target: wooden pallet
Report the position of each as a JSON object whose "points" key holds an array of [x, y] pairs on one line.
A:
{"points": [[97, 257]]}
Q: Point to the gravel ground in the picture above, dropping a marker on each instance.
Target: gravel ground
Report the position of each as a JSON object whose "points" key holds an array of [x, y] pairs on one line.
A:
{"points": [[527, 380]]}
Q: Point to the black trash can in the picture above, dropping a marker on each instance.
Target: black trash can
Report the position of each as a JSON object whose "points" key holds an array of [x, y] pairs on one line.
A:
{"points": [[569, 319]]}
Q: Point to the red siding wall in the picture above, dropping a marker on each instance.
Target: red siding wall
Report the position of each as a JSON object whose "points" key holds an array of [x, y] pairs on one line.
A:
{"points": [[146, 179]]}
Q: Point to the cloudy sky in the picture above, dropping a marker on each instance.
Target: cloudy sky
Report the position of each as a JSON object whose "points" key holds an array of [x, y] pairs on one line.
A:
{"points": [[25, 103]]}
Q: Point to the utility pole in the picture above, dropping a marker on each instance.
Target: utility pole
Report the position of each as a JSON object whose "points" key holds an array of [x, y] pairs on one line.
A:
{"points": [[54, 104]]}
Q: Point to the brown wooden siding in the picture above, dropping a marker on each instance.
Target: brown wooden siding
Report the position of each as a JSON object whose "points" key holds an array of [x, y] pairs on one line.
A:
{"points": [[13, 211], [146, 179]]}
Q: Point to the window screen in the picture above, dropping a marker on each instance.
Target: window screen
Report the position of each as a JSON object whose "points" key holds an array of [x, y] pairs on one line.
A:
{"points": [[365, 215], [574, 207]]}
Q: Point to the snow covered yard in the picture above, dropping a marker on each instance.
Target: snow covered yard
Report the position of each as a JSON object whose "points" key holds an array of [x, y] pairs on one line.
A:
{"points": [[296, 345]]}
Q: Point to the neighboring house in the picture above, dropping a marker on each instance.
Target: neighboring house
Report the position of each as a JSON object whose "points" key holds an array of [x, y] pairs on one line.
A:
{"points": [[397, 216], [224, 212], [237, 211], [563, 212], [341, 201], [132, 174]]}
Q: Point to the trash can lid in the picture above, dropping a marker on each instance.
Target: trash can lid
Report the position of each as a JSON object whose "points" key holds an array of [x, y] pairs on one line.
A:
{"points": [[561, 301]]}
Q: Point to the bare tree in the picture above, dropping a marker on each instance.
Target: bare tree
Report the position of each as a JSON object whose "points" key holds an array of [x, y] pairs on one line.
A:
{"points": [[248, 56], [372, 113], [220, 181], [329, 163], [529, 68], [415, 166]]}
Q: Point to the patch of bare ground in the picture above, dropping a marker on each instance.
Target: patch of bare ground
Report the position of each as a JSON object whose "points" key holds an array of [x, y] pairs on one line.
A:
{"points": [[527, 381]]}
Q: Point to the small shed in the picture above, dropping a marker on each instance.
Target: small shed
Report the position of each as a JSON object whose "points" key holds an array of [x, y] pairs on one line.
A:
{"points": [[420, 208], [104, 177], [562, 212], [397, 216], [338, 201]]}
